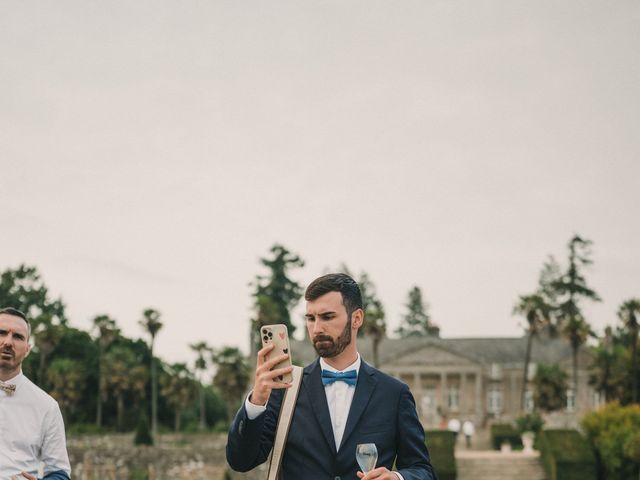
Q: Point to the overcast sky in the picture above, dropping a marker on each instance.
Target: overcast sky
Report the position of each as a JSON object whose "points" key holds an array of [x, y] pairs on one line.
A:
{"points": [[152, 151]]}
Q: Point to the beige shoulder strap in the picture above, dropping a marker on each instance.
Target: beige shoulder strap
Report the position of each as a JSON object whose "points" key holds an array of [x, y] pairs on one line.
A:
{"points": [[284, 422]]}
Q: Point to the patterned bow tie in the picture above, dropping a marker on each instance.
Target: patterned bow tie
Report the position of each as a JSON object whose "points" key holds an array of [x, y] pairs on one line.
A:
{"points": [[350, 377], [7, 387]]}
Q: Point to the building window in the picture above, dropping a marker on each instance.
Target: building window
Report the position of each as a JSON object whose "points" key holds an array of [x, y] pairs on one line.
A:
{"points": [[496, 371], [571, 400], [454, 397], [529, 404], [494, 399]]}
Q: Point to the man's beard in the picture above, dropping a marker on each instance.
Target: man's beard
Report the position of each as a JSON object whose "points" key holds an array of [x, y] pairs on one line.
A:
{"points": [[331, 347]]}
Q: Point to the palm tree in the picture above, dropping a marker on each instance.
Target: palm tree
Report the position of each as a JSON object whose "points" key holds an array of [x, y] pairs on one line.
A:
{"points": [[47, 335], [178, 387], [538, 314], [629, 312], [152, 324], [232, 377], [123, 374], [107, 333], [67, 379], [201, 348]]}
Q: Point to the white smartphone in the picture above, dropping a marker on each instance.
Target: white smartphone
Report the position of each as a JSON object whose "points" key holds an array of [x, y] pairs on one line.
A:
{"points": [[277, 335]]}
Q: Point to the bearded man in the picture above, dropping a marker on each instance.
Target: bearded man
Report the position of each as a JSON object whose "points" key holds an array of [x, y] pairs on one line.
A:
{"points": [[342, 402], [31, 426]]}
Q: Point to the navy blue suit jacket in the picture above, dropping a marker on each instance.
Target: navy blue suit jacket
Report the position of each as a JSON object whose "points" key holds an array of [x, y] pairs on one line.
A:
{"points": [[382, 412]]}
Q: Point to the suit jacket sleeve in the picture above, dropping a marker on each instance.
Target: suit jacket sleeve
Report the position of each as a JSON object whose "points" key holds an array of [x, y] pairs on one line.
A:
{"points": [[412, 460], [250, 441]]}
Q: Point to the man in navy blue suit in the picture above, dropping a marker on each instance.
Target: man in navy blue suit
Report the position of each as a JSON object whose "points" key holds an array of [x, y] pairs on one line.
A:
{"points": [[342, 402]]}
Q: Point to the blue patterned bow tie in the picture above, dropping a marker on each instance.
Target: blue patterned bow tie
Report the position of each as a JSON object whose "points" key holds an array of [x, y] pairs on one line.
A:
{"points": [[350, 377]]}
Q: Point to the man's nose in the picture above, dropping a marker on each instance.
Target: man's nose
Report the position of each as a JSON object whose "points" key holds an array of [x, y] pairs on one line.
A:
{"points": [[317, 327]]}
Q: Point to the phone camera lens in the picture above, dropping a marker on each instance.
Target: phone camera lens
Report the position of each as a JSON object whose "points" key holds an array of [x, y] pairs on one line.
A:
{"points": [[270, 334], [265, 338]]}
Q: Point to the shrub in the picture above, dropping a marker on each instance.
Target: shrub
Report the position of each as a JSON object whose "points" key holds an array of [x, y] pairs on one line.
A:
{"points": [[531, 422], [614, 432], [566, 455], [441, 444], [505, 433], [143, 434]]}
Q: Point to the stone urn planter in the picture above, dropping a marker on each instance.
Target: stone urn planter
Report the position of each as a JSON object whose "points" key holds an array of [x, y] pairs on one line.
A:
{"points": [[527, 441]]}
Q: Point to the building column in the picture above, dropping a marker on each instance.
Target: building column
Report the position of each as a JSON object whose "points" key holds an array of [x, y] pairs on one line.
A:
{"points": [[443, 386], [463, 394], [479, 395]]}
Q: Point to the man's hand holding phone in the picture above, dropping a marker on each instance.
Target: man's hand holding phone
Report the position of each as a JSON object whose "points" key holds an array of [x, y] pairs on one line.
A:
{"points": [[266, 378]]}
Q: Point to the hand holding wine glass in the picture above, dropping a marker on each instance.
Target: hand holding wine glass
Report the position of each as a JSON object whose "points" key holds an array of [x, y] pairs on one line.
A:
{"points": [[367, 456]]}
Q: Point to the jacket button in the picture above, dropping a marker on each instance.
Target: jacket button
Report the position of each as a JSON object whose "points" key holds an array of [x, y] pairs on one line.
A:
{"points": [[241, 427]]}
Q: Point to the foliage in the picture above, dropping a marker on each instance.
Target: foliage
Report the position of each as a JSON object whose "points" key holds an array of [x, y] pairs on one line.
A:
{"points": [[151, 323], [124, 375], [550, 388], [570, 288], [143, 433], [613, 431], [566, 455], [416, 322], [201, 364], [275, 294], [232, 377], [441, 445], [611, 371], [504, 433], [178, 388], [67, 378], [537, 312], [628, 313], [531, 422]]}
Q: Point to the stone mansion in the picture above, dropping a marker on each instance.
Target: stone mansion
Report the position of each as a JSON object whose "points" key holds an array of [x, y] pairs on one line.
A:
{"points": [[473, 378]]}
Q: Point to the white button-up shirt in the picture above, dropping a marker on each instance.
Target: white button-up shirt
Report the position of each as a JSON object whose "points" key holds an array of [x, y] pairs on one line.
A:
{"points": [[31, 431], [339, 397]]}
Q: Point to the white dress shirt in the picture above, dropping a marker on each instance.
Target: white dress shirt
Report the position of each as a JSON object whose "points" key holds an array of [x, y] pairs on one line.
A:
{"points": [[31, 431], [339, 397]]}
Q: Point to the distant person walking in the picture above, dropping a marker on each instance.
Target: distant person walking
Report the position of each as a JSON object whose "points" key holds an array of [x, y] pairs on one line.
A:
{"points": [[454, 426], [31, 426], [469, 430]]}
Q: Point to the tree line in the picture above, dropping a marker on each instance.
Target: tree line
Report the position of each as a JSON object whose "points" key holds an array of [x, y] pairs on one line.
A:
{"points": [[105, 380]]}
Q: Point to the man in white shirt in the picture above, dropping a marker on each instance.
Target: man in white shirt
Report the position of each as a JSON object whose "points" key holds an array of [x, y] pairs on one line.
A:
{"points": [[31, 425], [342, 402]]}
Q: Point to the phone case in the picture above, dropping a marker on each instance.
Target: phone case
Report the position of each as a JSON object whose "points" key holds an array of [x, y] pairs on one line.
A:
{"points": [[279, 336]]}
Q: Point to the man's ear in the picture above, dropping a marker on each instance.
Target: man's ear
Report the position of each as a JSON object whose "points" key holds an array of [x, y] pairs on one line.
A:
{"points": [[28, 350], [357, 318]]}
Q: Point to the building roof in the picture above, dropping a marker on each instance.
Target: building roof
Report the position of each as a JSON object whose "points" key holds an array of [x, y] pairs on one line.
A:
{"points": [[500, 350]]}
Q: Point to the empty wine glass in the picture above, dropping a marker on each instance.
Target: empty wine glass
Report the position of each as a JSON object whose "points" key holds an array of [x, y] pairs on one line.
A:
{"points": [[367, 456]]}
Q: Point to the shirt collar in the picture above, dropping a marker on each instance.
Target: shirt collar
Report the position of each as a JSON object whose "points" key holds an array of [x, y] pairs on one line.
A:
{"points": [[354, 366], [17, 380]]}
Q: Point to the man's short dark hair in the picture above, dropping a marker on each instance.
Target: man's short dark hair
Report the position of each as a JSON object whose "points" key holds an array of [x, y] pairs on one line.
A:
{"points": [[16, 313], [336, 282]]}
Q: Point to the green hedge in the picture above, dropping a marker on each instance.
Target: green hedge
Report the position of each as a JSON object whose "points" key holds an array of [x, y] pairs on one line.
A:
{"points": [[614, 433], [505, 433], [566, 455], [441, 444]]}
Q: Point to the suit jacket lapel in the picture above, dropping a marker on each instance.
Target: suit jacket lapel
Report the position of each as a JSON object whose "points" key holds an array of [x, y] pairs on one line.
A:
{"points": [[312, 383], [364, 389]]}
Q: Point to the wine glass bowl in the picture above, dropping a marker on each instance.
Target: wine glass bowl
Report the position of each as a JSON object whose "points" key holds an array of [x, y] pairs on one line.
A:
{"points": [[367, 456]]}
